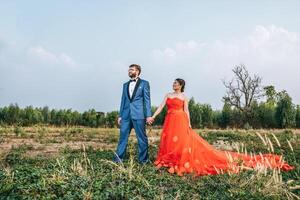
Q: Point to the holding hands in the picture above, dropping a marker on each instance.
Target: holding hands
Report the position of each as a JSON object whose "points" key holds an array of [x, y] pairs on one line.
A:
{"points": [[150, 120]]}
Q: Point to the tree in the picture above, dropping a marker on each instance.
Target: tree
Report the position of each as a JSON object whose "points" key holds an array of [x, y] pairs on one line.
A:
{"points": [[285, 111], [111, 119], [89, 118], [253, 119], [101, 119], [237, 118], [298, 117], [243, 90], [217, 119], [266, 115], [1, 116], [77, 118], [46, 115], [12, 114], [31, 116], [271, 94], [206, 115], [226, 114], [68, 116], [53, 117], [266, 110], [195, 114]]}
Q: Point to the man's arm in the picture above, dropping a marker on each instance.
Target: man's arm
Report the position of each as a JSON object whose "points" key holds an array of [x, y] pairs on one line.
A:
{"points": [[122, 104], [147, 99]]}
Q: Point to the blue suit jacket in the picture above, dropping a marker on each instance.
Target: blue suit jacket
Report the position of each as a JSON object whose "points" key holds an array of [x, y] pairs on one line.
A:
{"points": [[139, 106]]}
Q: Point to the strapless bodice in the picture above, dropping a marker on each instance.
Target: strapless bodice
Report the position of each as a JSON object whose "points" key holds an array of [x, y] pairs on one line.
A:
{"points": [[175, 104]]}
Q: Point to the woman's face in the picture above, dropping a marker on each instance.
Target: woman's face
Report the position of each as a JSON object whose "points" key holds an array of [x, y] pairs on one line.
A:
{"points": [[176, 85]]}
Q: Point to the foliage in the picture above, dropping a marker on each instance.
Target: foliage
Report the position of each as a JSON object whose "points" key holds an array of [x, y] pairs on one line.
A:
{"points": [[89, 173], [285, 111]]}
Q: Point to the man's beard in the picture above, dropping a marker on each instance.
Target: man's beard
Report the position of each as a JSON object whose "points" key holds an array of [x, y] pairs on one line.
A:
{"points": [[132, 75]]}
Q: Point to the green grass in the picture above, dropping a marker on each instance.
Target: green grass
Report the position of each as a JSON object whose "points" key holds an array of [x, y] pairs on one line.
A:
{"points": [[88, 173]]}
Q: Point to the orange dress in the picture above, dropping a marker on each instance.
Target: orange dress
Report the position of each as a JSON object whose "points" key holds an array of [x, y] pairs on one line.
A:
{"points": [[182, 150]]}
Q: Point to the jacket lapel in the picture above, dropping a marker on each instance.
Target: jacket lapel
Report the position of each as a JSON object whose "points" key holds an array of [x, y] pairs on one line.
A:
{"points": [[127, 89], [135, 88]]}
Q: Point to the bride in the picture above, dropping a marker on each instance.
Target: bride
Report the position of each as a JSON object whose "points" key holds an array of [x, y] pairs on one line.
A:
{"points": [[182, 150]]}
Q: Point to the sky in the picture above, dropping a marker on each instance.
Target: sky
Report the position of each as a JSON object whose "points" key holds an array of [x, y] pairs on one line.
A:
{"points": [[75, 54]]}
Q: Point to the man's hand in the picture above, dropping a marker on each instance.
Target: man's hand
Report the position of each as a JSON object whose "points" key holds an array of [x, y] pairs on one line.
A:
{"points": [[119, 120], [150, 120]]}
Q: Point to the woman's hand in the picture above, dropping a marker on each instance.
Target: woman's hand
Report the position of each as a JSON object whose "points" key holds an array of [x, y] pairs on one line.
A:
{"points": [[119, 120], [150, 120]]}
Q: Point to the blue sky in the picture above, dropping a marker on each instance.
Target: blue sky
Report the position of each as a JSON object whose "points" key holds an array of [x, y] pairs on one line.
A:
{"points": [[75, 54]]}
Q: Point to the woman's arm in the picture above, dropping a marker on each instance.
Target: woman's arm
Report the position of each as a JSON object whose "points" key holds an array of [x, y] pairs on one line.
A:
{"points": [[186, 109], [161, 106]]}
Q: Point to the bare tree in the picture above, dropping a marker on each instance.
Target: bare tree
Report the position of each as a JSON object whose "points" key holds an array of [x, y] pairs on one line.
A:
{"points": [[243, 89]]}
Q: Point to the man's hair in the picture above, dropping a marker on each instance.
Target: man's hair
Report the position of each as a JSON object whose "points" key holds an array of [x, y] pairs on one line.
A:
{"points": [[136, 66]]}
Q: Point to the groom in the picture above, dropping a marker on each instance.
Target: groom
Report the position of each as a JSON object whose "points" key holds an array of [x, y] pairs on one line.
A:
{"points": [[134, 109]]}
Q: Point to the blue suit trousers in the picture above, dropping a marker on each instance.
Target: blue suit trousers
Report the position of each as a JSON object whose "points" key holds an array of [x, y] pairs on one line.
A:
{"points": [[140, 130]]}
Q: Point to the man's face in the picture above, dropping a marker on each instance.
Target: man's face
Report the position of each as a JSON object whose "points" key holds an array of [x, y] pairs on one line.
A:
{"points": [[133, 72]]}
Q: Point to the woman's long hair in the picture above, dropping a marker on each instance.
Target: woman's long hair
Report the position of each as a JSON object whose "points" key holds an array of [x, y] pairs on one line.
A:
{"points": [[181, 83]]}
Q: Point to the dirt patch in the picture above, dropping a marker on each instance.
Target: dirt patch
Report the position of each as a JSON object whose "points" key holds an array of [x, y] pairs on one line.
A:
{"points": [[43, 140], [48, 141]]}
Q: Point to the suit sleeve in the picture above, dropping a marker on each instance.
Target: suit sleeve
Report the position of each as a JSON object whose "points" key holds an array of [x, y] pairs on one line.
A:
{"points": [[147, 99], [122, 101]]}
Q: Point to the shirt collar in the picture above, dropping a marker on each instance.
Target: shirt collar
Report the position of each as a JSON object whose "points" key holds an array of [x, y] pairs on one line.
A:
{"points": [[136, 79]]}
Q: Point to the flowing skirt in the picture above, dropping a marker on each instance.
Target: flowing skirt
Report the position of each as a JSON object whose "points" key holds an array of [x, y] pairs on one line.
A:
{"points": [[182, 150]]}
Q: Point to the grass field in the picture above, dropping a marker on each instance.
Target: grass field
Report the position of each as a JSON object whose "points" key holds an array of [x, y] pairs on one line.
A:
{"points": [[43, 162]]}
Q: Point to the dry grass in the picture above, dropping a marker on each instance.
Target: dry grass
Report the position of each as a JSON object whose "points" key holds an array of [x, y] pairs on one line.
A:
{"points": [[47, 140]]}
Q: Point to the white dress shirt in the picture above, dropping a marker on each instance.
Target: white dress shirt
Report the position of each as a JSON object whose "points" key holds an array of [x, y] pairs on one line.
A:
{"points": [[132, 86]]}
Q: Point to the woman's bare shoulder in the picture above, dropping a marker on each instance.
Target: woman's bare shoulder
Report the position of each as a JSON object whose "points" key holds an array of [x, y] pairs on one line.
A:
{"points": [[169, 94], [185, 97]]}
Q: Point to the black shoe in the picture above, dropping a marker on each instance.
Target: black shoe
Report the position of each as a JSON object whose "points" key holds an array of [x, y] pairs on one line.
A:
{"points": [[117, 160], [144, 162]]}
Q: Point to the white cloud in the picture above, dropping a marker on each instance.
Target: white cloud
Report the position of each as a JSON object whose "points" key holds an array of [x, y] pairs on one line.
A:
{"points": [[40, 76], [16, 55], [186, 46], [41, 54], [67, 59], [272, 52], [181, 51], [268, 43], [168, 55]]}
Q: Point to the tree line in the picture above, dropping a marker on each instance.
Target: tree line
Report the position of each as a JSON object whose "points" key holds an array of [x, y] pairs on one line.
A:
{"points": [[14, 115], [243, 108]]}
